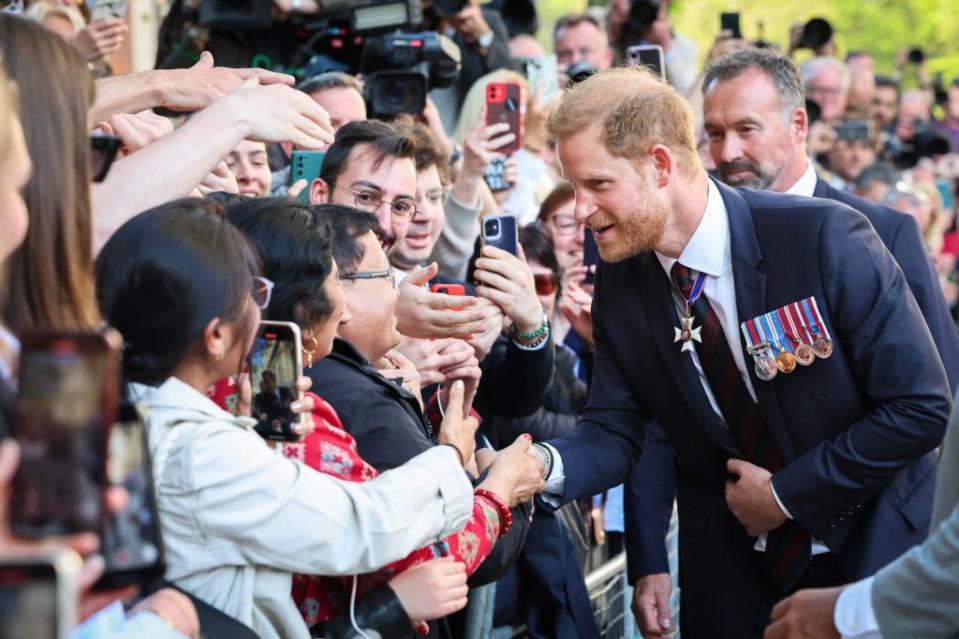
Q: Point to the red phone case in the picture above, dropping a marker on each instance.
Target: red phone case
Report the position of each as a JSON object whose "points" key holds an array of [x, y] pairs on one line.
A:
{"points": [[449, 289], [504, 104]]}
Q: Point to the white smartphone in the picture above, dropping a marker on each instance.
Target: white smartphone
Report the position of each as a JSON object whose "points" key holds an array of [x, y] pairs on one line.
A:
{"points": [[38, 594]]}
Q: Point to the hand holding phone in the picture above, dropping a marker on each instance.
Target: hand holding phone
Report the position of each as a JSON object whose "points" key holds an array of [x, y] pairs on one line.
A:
{"points": [[504, 104], [38, 594], [450, 289], [305, 165], [729, 21], [495, 175], [501, 231]]}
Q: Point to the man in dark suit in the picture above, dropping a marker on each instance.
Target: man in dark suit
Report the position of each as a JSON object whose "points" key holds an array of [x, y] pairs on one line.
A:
{"points": [[835, 456], [272, 403], [756, 123]]}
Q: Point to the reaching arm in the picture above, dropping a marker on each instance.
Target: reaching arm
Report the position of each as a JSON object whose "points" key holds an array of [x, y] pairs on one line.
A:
{"points": [[271, 113]]}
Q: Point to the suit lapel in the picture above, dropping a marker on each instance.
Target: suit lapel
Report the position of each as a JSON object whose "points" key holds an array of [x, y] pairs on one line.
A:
{"points": [[750, 285], [660, 313]]}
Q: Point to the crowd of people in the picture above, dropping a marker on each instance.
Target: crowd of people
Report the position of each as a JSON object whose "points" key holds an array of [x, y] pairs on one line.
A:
{"points": [[466, 414]]}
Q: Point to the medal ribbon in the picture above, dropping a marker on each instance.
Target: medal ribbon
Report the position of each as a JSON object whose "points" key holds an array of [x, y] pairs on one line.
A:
{"points": [[752, 336], [694, 294], [818, 316], [814, 328], [786, 343], [772, 333], [758, 322], [793, 323]]}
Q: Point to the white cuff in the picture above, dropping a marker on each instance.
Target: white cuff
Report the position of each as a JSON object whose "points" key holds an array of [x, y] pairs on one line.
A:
{"points": [[781, 506], [854, 616], [556, 481]]}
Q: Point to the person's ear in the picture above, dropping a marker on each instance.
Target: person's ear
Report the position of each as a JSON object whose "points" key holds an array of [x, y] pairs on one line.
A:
{"points": [[663, 164], [800, 124], [319, 191], [214, 340]]}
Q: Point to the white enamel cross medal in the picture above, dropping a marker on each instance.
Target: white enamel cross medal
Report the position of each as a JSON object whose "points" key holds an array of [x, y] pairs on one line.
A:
{"points": [[687, 334]]}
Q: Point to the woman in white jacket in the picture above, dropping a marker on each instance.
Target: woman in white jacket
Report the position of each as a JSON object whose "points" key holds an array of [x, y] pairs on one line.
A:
{"points": [[181, 285]]}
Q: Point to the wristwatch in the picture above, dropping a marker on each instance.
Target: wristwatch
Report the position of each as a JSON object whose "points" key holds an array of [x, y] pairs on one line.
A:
{"points": [[485, 40], [545, 456]]}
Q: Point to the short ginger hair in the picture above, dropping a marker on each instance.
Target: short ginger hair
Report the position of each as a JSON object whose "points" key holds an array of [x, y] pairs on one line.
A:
{"points": [[634, 109]]}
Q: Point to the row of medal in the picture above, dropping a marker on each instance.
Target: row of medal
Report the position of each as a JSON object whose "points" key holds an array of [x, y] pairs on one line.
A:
{"points": [[789, 336]]}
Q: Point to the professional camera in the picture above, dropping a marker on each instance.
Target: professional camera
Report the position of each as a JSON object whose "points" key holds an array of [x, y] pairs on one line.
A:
{"points": [[400, 64], [928, 142], [401, 68]]}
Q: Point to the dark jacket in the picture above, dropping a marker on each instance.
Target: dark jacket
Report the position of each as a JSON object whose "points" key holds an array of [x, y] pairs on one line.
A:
{"points": [[390, 429], [858, 431], [651, 487]]}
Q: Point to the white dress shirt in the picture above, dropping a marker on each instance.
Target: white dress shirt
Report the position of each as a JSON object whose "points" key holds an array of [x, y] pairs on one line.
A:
{"points": [[806, 183], [709, 251], [238, 518]]}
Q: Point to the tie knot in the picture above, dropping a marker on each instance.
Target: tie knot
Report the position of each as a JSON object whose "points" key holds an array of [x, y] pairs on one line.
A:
{"points": [[683, 276]]}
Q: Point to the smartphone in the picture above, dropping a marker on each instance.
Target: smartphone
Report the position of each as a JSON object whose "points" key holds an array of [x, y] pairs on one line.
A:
{"points": [[38, 595], [275, 364], [854, 130], [648, 55], [504, 104], [730, 22], [495, 176], [501, 231], [543, 76], [590, 257], [306, 165], [450, 289], [131, 544], [68, 399], [108, 9]]}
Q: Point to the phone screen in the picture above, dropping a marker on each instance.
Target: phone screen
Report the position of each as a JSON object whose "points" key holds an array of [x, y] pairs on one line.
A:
{"points": [[28, 601], [131, 543], [61, 423], [274, 369]]}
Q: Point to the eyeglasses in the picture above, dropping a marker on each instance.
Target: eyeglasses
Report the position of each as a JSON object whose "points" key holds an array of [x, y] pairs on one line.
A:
{"points": [[565, 225], [437, 197], [262, 291], [103, 151], [546, 283], [389, 274], [814, 89], [371, 200]]}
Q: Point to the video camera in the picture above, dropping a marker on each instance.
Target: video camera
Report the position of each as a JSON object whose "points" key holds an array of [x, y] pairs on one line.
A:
{"points": [[382, 40], [928, 142]]}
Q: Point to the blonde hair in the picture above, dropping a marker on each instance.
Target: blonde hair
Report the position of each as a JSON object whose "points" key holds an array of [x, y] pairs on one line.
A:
{"points": [[40, 11], [476, 99], [634, 110]]}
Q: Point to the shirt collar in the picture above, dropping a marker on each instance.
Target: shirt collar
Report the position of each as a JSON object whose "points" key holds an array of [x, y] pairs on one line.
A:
{"points": [[176, 395], [706, 249], [806, 183]]}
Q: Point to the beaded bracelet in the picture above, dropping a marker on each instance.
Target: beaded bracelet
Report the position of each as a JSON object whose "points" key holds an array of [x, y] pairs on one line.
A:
{"points": [[505, 515], [531, 335]]}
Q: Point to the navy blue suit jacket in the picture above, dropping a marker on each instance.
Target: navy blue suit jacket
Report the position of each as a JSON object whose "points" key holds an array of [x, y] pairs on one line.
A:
{"points": [[651, 488], [857, 430]]}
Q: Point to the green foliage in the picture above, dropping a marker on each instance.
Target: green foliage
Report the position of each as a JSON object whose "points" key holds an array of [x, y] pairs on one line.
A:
{"points": [[881, 27]]}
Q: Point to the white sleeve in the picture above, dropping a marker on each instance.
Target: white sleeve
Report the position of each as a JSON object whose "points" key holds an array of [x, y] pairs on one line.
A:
{"points": [[854, 616], [290, 517]]}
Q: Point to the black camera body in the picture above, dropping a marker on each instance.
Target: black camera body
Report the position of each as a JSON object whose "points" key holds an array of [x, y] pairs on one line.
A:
{"points": [[642, 15], [401, 68]]}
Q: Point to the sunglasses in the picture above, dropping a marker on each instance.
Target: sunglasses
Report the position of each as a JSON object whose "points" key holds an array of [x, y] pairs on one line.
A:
{"points": [[546, 284], [103, 151], [262, 291]]}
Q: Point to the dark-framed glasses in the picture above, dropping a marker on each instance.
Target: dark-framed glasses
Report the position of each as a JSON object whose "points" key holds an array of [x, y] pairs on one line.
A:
{"points": [[262, 291], [367, 199], [103, 151]]}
